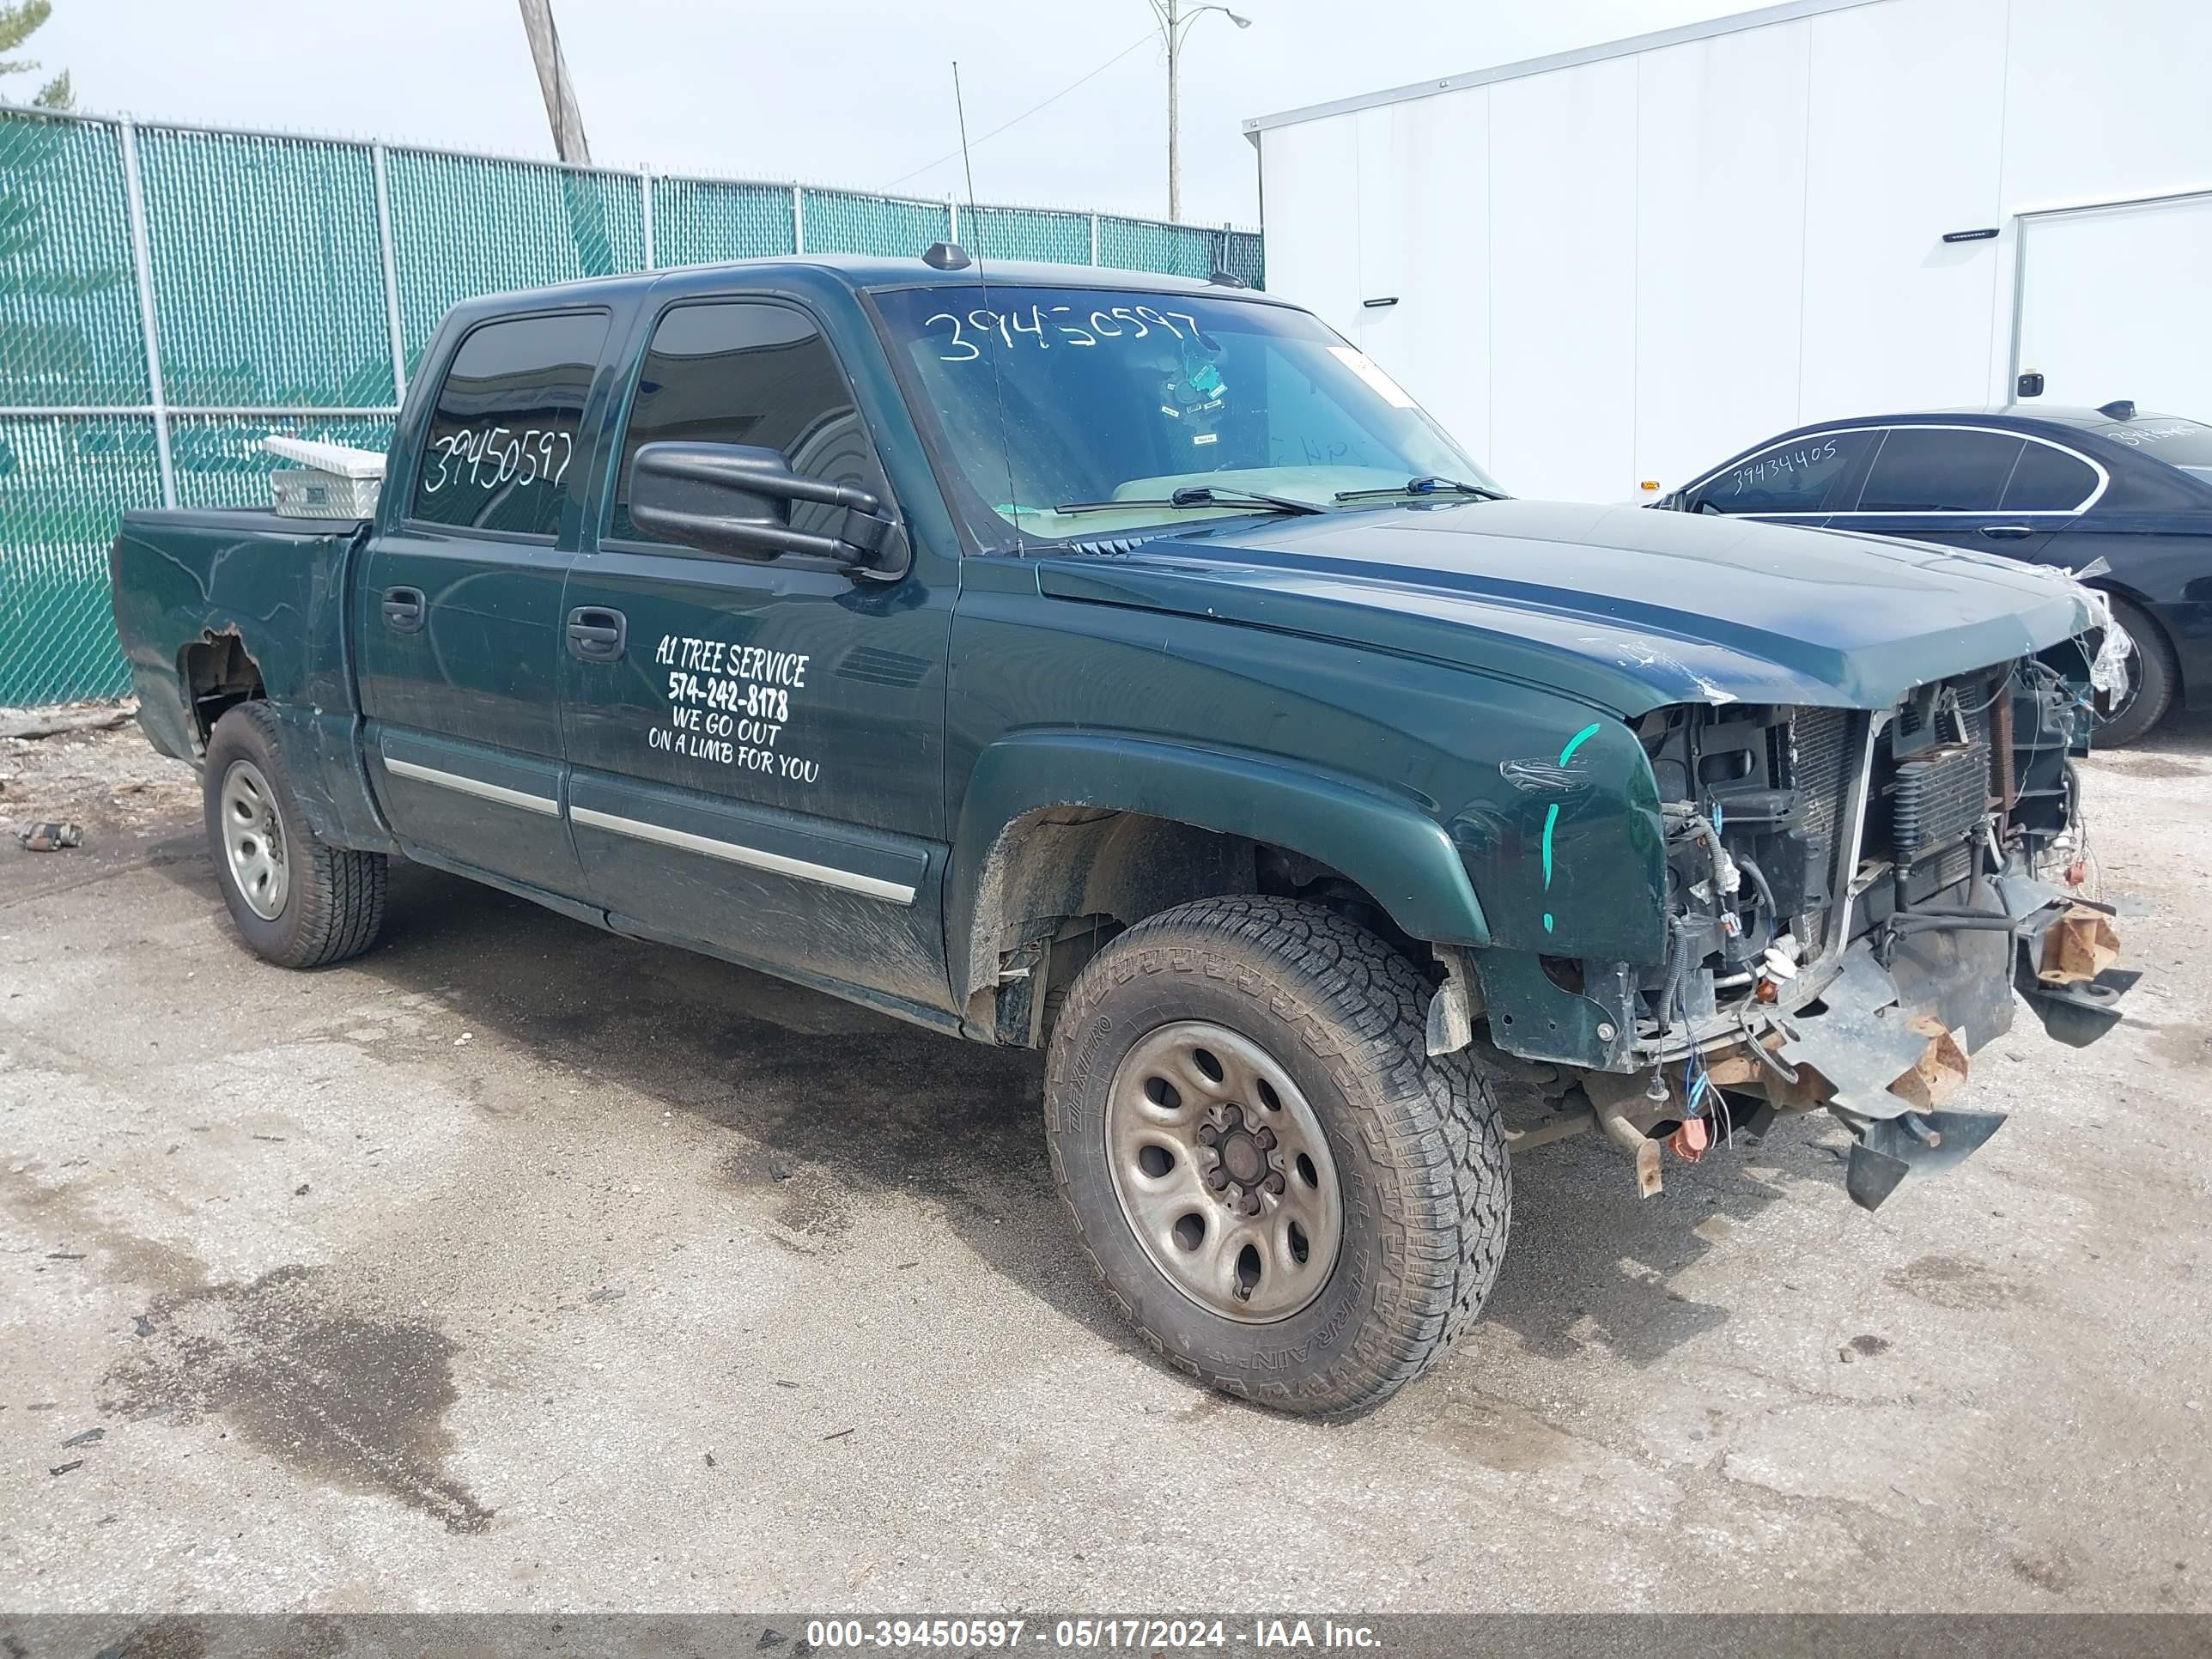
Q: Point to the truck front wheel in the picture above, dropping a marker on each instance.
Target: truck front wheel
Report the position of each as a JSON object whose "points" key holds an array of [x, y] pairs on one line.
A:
{"points": [[1275, 1182], [299, 903]]}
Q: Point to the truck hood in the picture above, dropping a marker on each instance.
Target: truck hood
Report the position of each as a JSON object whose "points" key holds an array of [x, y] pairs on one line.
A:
{"points": [[1625, 608]]}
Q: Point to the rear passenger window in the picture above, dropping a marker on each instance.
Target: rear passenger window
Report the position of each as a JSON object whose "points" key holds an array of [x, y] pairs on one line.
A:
{"points": [[1801, 476], [1939, 470], [2047, 480], [502, 453], [749, 372]]}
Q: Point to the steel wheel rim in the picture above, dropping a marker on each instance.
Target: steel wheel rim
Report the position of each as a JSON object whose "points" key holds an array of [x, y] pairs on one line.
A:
{"points": [[253, 840], [1223, 1172]]}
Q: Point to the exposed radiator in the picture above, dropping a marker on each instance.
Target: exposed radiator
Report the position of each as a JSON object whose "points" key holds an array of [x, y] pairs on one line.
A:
{"points": [[1823, 761], [1936, 798]]}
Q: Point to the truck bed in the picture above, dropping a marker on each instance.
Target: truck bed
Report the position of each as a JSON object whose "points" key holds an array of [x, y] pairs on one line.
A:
{"points": [[191, 584]]}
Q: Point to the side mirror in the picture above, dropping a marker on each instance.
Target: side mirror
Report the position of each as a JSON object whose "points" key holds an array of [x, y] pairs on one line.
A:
{"points": [[735, 499]]}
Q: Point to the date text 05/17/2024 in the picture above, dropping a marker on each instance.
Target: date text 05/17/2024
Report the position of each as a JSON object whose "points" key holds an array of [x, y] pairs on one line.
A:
{"points": [[1140, 1635]]}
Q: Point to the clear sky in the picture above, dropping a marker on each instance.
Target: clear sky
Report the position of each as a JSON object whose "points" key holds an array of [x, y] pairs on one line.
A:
{"points": [[848, 92]]}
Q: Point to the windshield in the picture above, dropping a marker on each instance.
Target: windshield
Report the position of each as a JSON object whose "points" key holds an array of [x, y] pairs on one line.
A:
{"points": [[2184, 444], [1112, 397]]}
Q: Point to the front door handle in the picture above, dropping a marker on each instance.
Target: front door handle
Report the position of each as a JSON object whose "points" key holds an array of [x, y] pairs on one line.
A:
{"points": [[2007, 532], [597, 633], [403, 610]]}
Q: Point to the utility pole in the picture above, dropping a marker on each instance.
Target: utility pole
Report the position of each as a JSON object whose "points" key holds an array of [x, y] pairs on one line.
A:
{"points": [[562, 113], [1174, 22]]}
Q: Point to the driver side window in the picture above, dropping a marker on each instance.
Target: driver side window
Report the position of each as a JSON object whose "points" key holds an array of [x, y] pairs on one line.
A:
{"points": [[749, 372], [1804, 475]]}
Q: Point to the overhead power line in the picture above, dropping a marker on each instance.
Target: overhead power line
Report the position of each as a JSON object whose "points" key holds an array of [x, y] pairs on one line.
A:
{"points": [[1144, 39]]}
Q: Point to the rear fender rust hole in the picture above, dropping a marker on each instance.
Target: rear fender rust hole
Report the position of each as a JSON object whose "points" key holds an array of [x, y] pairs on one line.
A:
{"points": [[1247, 1270], [1208, 1067], [1268, 1097], [1162, 1094], [1190, 1231], [1307, 1173], [1300, 1246], [1155, 1160]]}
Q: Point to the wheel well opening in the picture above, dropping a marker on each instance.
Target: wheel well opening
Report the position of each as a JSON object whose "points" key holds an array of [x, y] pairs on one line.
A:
{"points": [[218, 675], [1062, 881]]}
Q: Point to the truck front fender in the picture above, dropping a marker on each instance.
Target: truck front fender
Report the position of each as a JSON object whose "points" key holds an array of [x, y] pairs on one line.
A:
{"points": [[1383, 842]]}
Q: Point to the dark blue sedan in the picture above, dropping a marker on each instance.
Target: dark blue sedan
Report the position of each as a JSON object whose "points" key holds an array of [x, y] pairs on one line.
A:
{"points": [[2064, 486]]}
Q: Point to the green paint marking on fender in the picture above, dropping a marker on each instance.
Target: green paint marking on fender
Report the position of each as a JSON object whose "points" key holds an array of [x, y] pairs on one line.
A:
{"points": [[1551, 814]]}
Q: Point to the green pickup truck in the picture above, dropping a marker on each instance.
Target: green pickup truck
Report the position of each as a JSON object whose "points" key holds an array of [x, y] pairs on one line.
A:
{"points": [[1126, 667]]}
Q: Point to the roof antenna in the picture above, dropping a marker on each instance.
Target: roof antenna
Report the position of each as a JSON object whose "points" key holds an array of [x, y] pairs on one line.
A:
{"points": [[1014, 507]]}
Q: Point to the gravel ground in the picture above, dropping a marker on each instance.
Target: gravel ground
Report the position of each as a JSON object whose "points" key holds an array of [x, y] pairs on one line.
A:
{"points": [[518, 1267]]}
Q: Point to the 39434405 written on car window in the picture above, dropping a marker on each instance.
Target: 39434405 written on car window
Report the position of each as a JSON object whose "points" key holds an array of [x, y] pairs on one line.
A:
{"points": [[749, 372], [501, 453], [1801, 476], [1048, 398]]}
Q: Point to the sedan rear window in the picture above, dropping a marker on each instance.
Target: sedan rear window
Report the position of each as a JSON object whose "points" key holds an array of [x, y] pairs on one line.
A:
{"points": [[2047, 480], [1930, 469]]}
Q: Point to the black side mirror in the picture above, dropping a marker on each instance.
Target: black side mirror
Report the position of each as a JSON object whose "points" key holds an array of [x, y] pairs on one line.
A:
{"points": [[735, 499]]}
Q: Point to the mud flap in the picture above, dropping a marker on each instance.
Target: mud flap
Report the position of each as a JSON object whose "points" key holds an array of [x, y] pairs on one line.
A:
{"points": [[1918, 1144]]}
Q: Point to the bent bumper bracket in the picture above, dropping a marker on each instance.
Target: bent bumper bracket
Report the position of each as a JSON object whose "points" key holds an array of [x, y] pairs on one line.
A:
{"points": [[1918, 1144]]}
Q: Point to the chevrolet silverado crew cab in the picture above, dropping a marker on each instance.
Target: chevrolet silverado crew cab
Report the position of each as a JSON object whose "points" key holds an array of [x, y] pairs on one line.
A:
{"points": [[1127, 667]]}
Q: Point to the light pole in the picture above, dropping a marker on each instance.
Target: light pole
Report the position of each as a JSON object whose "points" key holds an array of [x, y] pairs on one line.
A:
{"points": [[1175, 23]]}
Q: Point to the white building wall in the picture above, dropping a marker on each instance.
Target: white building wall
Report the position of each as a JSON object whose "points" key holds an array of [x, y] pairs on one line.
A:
{"points": [[1626, 269]]}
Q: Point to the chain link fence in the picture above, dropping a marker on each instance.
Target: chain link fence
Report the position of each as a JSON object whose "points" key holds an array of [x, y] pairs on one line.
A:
{"points": [[169, 295]]}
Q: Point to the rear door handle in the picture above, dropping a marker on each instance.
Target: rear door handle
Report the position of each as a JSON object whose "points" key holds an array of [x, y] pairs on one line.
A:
{"points": [[596, 633], [403, 610], [2007, 532]]}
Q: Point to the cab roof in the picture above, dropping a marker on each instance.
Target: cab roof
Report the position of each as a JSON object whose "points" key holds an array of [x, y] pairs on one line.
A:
{"points": [[872, 272]]}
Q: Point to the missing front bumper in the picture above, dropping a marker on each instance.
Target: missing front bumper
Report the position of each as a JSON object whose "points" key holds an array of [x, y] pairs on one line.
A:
{"points": [[1884, 1046]]}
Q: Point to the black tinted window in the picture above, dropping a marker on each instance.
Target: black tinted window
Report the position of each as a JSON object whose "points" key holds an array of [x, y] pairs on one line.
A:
{"points": [[1934, 470], [744, 372], [2047, 480], [503, 438], [1799, 477]]}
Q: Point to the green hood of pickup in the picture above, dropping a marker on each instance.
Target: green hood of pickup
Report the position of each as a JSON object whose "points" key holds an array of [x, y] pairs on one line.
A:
{"points": [[1625, 608]]}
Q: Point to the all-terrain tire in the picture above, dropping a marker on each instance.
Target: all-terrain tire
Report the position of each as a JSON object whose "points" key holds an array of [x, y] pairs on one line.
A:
{"points": [[2153, 676], [1417, 1144], [332, 904]]}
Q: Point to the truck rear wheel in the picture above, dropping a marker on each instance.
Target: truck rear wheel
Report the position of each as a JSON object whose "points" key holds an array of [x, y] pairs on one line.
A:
{"points": [[1276, 1184], [298, 904]]}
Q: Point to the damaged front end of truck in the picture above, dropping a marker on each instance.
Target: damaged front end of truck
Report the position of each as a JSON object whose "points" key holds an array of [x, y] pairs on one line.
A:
{"points": [[1853, 898]]}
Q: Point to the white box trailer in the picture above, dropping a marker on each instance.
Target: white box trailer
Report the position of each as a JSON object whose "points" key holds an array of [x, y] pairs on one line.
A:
{"points": [[1613, 268]]}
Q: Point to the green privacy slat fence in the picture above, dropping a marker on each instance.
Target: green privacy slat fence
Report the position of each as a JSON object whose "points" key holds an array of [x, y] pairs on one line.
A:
{"points": [[997, 233], [268, 286], [1180, 250], [696, 222], [840, 221], [291, 283], [62, 481], [462, 225], [70, 329]]}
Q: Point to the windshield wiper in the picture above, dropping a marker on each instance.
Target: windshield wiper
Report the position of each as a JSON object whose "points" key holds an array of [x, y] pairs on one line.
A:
{"points": [[1424, 486], [1203, 495]]}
